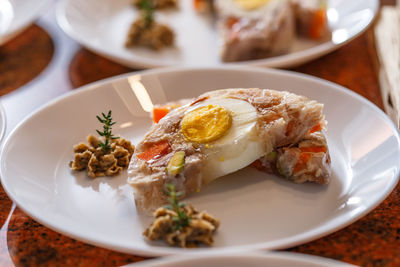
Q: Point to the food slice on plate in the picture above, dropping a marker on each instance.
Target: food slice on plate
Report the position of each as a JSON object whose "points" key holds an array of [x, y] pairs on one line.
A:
{"points": [[219, 133], [306, 161], [251, 29]]}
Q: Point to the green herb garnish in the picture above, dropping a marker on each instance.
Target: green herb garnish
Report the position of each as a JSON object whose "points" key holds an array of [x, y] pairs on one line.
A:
{"points": [[147, 8], [182, 219], [106, 133]]}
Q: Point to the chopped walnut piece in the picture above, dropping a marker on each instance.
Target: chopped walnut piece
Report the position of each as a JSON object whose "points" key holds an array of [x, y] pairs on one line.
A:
{"points": [[115, 170], [93, 141], [80, 148], [200, 229], [98, 163], [125, 144], [122, 156], [108, 161], [81, 160], [93, 167]]}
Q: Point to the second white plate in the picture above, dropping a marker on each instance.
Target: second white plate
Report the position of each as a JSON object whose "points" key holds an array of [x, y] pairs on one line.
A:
{"points": [[257, 211], [16, 15], [274, 259], [102, 26]]}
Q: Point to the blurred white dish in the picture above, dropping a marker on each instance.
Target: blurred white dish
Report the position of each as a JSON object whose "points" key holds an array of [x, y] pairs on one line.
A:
{"points": [[102, 26], [17, 15], [364, 146], [273, 259], [3, 122]]}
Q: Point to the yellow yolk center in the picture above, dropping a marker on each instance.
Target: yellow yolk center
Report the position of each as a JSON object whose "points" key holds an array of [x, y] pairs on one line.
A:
{"points": [[206, 124], [250, 4]]}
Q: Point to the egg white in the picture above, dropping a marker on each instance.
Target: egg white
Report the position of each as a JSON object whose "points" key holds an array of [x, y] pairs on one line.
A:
{"points": [[239, 147]]}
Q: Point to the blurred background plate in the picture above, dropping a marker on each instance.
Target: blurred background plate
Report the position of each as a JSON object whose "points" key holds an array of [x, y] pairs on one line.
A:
{"points": [[273, 259], [17, 15], [102, 26], [3, 122]]}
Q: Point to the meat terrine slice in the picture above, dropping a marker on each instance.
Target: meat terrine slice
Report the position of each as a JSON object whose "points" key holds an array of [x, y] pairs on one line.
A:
{"points": [[282, 120], [261, 32]]}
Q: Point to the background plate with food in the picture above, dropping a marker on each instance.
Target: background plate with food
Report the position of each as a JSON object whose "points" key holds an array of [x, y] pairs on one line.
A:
{"points": [[209, 38]]}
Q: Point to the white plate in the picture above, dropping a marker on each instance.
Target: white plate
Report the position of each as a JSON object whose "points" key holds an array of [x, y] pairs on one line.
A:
{"points": [[3, 122], [257, 211], [17, 15], [273, 259], [102, 26]]}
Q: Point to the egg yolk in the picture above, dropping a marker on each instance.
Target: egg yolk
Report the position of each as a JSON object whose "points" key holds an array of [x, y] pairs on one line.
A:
{"points": [[250, 4], [206, 124]]}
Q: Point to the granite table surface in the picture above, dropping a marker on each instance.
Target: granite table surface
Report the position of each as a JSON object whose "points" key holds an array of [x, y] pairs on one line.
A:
{"points": [[373, 240]]}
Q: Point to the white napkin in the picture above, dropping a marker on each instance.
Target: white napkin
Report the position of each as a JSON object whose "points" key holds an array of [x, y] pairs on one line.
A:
{"points": [[387, 39]]}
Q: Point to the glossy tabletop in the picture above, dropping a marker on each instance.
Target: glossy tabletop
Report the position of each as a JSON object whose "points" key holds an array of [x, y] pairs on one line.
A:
{"points": [[58, 65]]}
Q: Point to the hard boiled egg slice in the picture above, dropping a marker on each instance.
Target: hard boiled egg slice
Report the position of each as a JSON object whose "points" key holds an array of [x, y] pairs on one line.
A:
{"points": [[250, 4], [225, 129], [248, 9]]}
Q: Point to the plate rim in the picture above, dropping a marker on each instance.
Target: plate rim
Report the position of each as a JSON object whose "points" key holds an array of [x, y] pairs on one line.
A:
{"points": [[3, 122], [302, 238], [282, 61], [269, 255], [10, 34]]}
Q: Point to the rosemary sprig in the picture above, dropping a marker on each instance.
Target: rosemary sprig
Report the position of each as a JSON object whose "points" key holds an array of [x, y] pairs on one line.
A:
{"points": [[182, 219], [147, 8], [106, 133]]}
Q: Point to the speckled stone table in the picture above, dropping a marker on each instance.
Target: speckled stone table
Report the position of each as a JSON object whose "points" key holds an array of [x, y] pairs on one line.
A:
{"points": [[22, 59], [374, 240]]}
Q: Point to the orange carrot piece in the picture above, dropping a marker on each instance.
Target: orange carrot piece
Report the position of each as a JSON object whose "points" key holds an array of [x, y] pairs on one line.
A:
{"points": [[318, 24], [159, 113], [302, 163], [316, 128], [198, 4], [156, 150], [231, 21]]}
